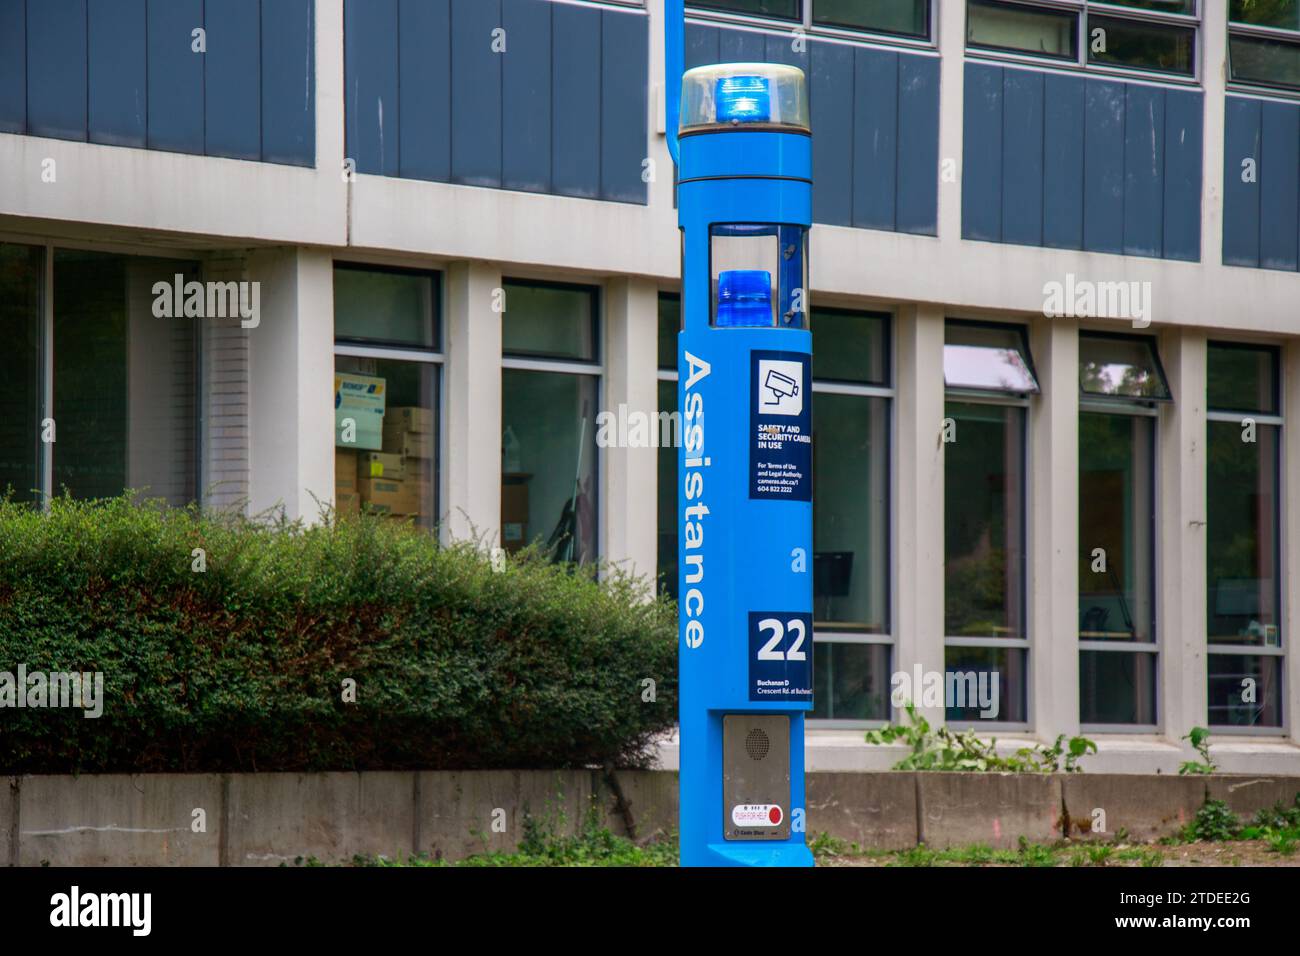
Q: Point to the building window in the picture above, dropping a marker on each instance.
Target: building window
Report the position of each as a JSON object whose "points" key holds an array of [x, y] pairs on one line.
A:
{"points": [[1243, 522], [550, 384], [852, 409], [988, 376], [387, 365], [1120, 379], [909, 19], [108, 362], [1150, 36], [1264, 43]]}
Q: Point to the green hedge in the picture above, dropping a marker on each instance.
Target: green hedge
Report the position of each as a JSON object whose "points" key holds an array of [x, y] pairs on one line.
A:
{"points": [[241, 667]]}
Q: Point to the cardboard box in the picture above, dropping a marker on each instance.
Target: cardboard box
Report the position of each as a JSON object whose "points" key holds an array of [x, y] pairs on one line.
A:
{"points": [[347, 502], [394, 497], [408, 444], [345, 471], [359, 399], [408, 418], [378, 464]]}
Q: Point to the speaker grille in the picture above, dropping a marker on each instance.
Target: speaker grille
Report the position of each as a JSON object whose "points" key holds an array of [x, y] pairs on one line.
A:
{"points": [[757, 744]]}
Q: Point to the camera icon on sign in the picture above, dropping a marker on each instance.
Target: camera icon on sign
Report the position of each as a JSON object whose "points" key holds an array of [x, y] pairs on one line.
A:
{"points": [[781, 391]]}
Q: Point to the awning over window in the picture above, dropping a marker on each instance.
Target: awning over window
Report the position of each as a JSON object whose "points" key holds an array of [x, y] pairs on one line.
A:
{"points": [[1121, 367], [979, 357]]}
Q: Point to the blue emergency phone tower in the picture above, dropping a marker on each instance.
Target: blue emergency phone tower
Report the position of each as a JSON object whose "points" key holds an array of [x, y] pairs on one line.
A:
{"points": [[745, 466]]}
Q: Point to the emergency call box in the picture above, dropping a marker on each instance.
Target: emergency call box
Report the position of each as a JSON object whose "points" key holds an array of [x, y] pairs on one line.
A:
{"points": [[756, 777]]}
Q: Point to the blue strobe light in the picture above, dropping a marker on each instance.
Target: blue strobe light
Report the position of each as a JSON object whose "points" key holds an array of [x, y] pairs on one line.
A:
{"points": [[745, 299], [743, 99]]}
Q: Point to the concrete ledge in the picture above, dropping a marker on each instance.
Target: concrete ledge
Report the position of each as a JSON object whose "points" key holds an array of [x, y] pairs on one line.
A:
{"points": [[1146, 807], [869, 809], [481, 811], [996, 809], [274, 818], [119, 820]]}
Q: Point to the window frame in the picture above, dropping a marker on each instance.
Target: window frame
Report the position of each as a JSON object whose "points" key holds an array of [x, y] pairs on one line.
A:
{"points": [[887, 392], [45, 451], [808, 27], [1122, 401], [434, 355], [592, 368], [1277, 420], [1134, 409], [1080, 62], [1257, 32], [1023, 644]]}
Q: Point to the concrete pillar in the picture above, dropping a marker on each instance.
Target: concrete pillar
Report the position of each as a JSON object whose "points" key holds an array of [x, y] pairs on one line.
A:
{"points": [[1180, 549], [1053, 505], [628, 493], [291, 357], [1214, 78], [1291, 538], [950, 33], [919, 493], [472, 404]]}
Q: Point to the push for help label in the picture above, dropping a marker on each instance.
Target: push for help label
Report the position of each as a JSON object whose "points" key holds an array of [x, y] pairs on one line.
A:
{"points": [[757, 815]]}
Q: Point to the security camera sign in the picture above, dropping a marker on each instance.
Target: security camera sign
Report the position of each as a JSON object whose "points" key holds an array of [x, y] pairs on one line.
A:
{"points": [[780, 426]]}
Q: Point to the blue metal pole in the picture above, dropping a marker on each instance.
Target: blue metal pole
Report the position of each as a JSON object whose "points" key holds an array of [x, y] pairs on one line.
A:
{"points": [[745, 470]]}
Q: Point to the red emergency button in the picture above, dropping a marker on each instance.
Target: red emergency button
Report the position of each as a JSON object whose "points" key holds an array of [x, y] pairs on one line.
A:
{"points": [[775, 816]]}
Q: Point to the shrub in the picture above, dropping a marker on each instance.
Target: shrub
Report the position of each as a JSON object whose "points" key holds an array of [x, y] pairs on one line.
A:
{"points": [[241, 666]]}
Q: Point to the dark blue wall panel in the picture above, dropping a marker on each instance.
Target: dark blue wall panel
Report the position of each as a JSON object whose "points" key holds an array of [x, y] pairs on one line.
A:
{"points": [[116, 80], [981, 190], [918, 145], [702, 45], [875, 138], [424, 55], [370, 35], [526, 96], [175, 76], [1075, 162], [13, 66], [1279, 203], [232, 78], [876, 117], [1242, 140], [1103, 166], [476, 104], [289, 82], [125, 73], [56, 68], [1022, 157], [829, 87], [1144, 169], [1184, 138], [1063, 161], [741, 46], [563, 109], [1261, 218], [625, 64], [575, 135]]}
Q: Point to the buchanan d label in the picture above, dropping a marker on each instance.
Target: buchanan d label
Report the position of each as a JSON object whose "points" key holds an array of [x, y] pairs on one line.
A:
{"points": [[780, 426]]}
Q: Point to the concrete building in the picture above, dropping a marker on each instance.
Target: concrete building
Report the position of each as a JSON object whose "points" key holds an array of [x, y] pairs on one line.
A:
{"points": [[1054, 299]]}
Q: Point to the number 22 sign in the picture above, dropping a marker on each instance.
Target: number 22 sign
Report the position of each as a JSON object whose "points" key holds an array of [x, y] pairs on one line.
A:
{"points": [[780, 656]]}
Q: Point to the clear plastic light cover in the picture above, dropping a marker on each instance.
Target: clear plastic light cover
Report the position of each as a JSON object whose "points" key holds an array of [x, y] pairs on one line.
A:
{"points": [[759, 273], [728, 95]]}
